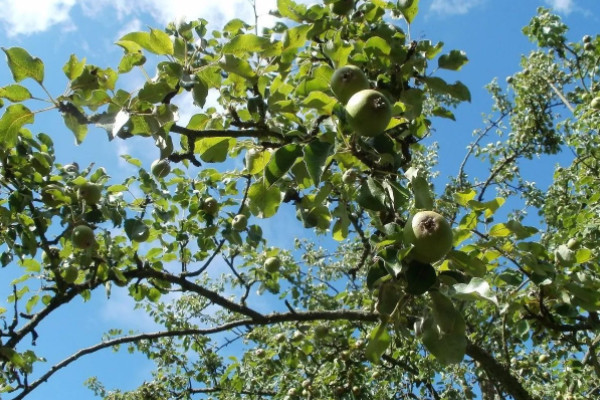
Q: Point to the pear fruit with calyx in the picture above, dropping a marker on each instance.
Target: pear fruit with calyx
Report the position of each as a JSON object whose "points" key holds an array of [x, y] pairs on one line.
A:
{"points": [[348, 80], [430, 234], [369, 112]]}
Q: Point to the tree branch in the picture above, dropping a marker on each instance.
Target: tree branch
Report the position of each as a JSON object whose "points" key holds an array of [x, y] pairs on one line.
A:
{"points": [[493, 368]]}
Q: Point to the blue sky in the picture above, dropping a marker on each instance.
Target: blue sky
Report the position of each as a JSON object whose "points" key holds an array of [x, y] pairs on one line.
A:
{"points": [[488, 30]]}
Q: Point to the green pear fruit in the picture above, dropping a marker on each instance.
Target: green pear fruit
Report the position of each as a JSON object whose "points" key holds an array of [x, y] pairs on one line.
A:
{"points": [[596, 103], [210, 206], [348, 80], [83, 237], [160, 168], [272, 264], [341, 7], [430, 234], [140, 232], [90, 192], [369, 112], [239, 222]]}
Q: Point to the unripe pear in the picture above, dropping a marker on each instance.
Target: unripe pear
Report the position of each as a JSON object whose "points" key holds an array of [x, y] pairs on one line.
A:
{"points": [[348, 80], [90, 192], [83, 237], [430, 234], [160, 168], [239, 222], [369, 112]]}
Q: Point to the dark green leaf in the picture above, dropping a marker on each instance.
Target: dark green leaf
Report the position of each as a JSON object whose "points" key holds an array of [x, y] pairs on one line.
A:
{"points": [[453, 61], [379, 341], [315, 156], [281, 161]]}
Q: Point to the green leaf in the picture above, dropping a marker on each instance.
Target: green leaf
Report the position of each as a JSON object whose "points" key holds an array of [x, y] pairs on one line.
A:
{"points": [[319, 101], [73, 68], [32, 302], [281, 161], [80, 130], [420, 189], [463, 198], [117, 188], [499, 230], [249, 43], [583, 255], [15, 93], [466, 263], [459, 91], [22, 65], [371, 195], [263, 200], [315, 156], [238, 66], [446, 348], [155, 41], [379, 341], [291, 10], [477, 288], [256, 160], [453, 61], [11, 123], [12, 356], [377, 45], [445, 315], [213, 149], [409, 9]]}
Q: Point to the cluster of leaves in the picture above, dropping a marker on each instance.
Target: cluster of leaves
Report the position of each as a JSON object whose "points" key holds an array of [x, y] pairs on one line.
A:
{"points": [[345, 319]]}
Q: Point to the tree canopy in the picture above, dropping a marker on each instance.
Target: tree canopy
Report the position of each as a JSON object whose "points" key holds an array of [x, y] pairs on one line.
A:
{"points": [[487, 287]]}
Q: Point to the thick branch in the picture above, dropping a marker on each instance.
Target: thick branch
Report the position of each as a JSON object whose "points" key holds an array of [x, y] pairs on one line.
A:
{"points": [[265, 320], [510, 384], [211, 133]]}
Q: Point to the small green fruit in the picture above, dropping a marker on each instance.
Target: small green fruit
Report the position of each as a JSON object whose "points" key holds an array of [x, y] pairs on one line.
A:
{"points": [[83, 237], [589, 47], [160, 168], [543, 358], [348, 80], [321, 331], [596, 103], [210, 206], [239, 222], [370, 112], [140, 232], [430, 234], [90, 192], [342, 7], [272, 264], [587, 39]]}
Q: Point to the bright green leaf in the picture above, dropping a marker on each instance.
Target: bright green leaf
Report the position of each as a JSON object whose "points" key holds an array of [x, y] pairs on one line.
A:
{"points": [[22, 65], [11, 123]]}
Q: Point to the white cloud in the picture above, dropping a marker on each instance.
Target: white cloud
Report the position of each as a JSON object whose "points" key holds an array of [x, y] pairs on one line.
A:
{"points": [[28, 17], [34, 16], [454, 6], [562, 6]]}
